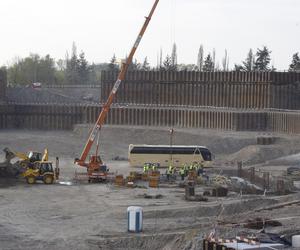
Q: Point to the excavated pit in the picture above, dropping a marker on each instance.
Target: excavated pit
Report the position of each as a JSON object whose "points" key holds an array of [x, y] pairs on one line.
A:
{"points": [[93, 216]]}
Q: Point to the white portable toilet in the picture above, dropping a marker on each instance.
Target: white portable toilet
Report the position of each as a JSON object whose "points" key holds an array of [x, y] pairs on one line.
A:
{"points": [[134, 219], [296, 241]]}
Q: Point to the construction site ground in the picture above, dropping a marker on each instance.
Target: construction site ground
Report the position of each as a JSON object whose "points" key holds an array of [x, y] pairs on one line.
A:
{"points": [[79, 215]]}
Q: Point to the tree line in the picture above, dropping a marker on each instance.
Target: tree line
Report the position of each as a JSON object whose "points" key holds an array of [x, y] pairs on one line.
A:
{"points": [[75, 69]]}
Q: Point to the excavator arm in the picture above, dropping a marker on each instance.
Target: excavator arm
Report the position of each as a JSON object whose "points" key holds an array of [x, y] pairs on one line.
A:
{"points": [[107, 105]]}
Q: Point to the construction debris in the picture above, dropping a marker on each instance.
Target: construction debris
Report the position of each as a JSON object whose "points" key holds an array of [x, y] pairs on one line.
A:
{"points": [[157, 196], [245, 243], [220, 191]]}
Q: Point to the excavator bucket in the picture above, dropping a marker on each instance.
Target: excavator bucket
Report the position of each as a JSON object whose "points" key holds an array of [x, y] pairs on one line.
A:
{"points": [[7, 169]]}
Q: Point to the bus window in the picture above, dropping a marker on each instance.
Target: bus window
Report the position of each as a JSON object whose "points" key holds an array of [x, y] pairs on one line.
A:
{"points": [[206, 154]]}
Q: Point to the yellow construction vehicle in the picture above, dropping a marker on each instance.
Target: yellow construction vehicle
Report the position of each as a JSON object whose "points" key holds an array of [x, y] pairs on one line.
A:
{"points": [[32, 157], [32, 166], [27, 160], [41, 171]]}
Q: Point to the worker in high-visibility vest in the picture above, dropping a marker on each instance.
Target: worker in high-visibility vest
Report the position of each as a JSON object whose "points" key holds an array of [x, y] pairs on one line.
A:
{"points": [[182, 173], [146, 167], [169, 172], [154, 167], [186, 169], [191, 167]]}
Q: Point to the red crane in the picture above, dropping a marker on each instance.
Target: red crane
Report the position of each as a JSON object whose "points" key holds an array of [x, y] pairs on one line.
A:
{"points": [[95, 167]]}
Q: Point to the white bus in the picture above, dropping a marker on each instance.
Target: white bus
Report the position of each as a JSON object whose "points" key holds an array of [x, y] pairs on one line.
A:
{"points": [[165, 155]]}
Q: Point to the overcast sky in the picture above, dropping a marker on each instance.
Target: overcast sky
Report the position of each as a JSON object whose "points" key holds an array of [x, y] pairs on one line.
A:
{"points": [[103, 27]]}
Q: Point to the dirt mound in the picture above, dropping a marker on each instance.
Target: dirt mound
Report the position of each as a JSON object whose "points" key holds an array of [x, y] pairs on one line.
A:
{"points": [[115, 139], [290, 160], [255, 154]]}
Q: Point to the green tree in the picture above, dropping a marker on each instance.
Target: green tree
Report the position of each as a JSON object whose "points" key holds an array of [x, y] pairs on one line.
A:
{"points": [[32, 69], [263, 59], [295, 65], [146, 65], [238, 67], [208, 63], [113, 63], [83, 69], [134, 66], [187, 67], [167, 64], [72, 73], [248, 64]]}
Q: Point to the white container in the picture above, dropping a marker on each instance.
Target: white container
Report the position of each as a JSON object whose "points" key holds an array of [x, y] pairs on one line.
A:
{"points": [[297, 184], [296, 241], [134, 219]]}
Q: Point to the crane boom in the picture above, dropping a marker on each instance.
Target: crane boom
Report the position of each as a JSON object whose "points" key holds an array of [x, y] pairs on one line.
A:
{"points": [[121, 77]]}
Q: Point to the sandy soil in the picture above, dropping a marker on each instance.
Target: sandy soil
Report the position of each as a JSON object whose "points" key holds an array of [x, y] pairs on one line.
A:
{"points": [[70, 215]]}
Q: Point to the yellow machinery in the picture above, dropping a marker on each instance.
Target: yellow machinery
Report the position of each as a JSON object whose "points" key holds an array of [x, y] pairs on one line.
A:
{"points": [[32, 166], [41, 171], [27, 161]]}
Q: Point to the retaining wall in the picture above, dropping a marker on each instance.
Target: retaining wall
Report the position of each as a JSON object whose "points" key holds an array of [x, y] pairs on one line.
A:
{"points": [[65, 116], [220, 89]]}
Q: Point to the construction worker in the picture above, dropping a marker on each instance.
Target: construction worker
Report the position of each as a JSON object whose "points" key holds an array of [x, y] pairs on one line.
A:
{"points": [[154, 167], [200, 170], [182, 172], [146, 167], [169, 172], [191, 168], [186, 169]]}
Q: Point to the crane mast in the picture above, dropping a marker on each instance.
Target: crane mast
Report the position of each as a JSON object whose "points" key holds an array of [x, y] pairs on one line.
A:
{"points": [[107, 105]]}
